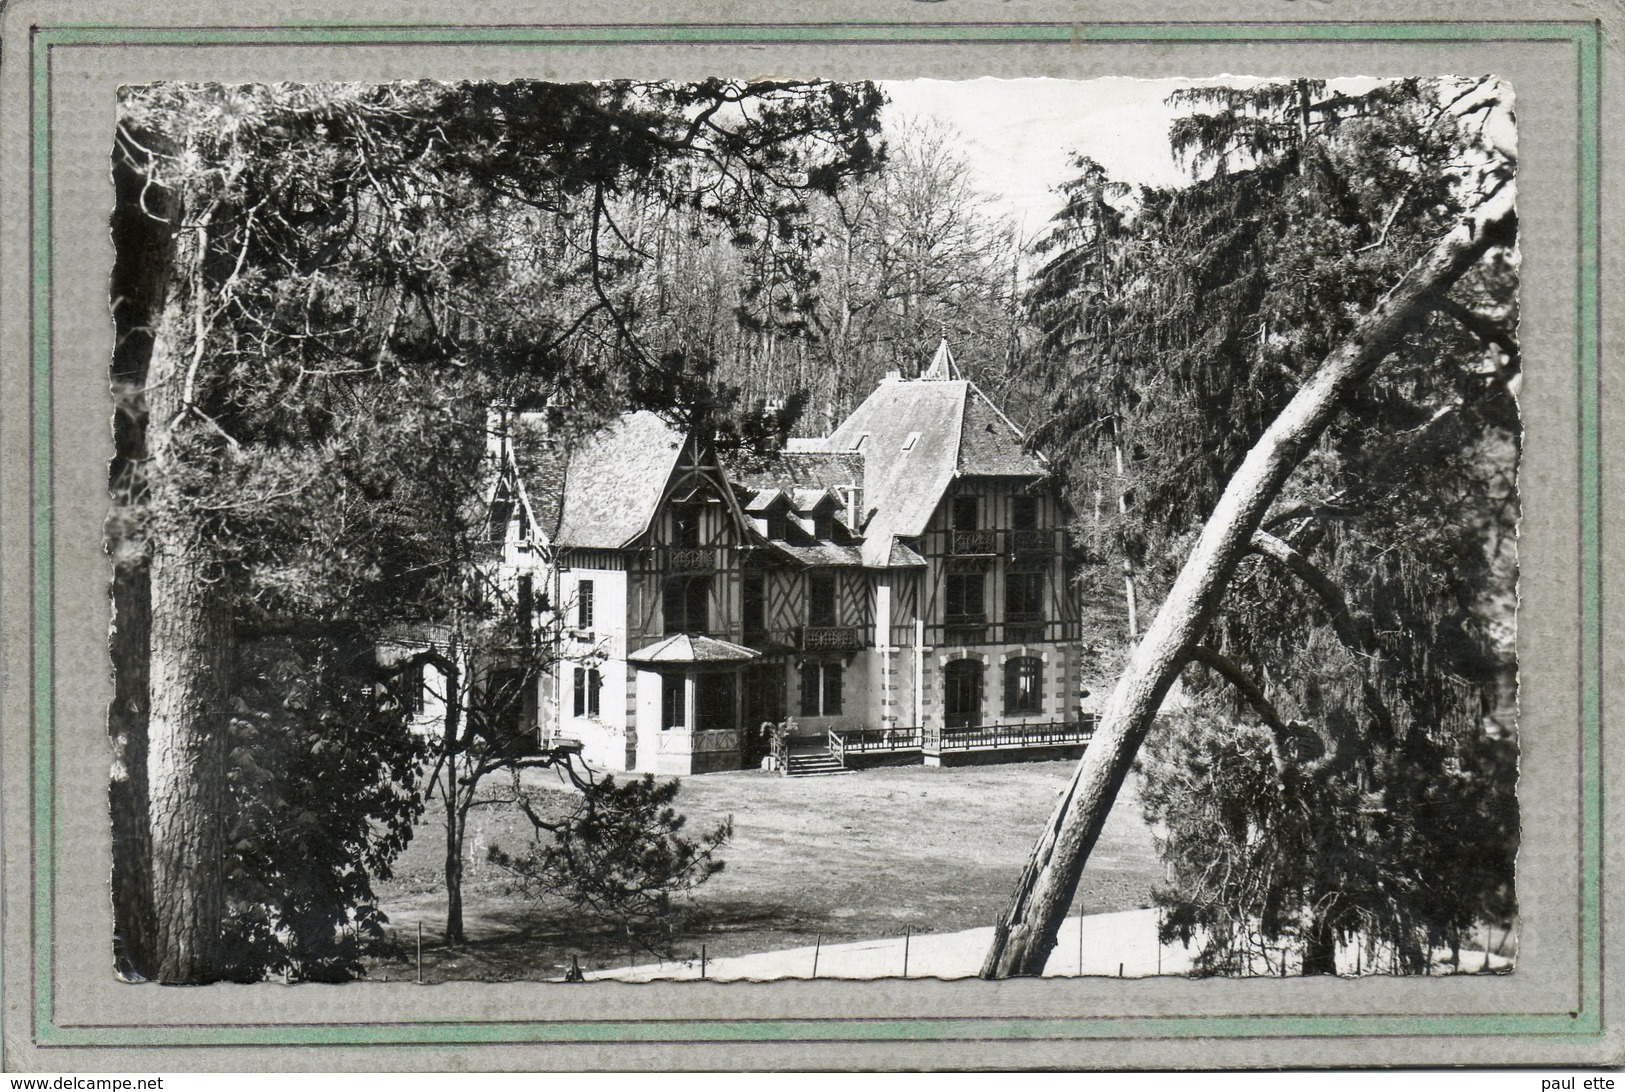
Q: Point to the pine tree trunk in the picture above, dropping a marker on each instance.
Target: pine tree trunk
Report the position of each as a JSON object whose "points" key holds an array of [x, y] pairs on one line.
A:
{"points": [[192, 653], [191, 662], [1025, 936], [127, 792]]}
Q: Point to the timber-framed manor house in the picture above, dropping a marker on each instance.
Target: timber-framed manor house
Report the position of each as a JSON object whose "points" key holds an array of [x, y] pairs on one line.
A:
{"points": [[896, 591]]}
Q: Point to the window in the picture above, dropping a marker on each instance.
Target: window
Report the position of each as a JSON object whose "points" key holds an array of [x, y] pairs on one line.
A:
{"points": [[584, 605], [821, 599], [1024, 513], [714, 702], [525, 602], [1023, 686], [688, 604], [753, 601], [965, 597], [589, 683], [965, 514], [417, 687], [501, 516], [1024, 596], [685, 526], [673, 701], [778, 526], [821, 690], [913, 438]]}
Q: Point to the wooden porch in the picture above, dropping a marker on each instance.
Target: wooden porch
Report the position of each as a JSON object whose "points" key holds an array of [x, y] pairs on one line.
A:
{"points": [[933, 742]]}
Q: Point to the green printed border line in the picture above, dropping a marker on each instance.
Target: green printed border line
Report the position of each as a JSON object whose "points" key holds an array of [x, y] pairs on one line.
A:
{"points": [[1582, 1025]]}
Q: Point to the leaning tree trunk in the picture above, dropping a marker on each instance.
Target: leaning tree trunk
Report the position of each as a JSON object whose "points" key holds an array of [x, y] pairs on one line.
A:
{"points": [[1025, 936]]}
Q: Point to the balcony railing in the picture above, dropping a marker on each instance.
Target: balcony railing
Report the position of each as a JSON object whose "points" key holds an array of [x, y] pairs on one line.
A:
{"points": [[979, 737], [686, 559], [1031, 541], [832, 638], [975, 543], [857, 741]]}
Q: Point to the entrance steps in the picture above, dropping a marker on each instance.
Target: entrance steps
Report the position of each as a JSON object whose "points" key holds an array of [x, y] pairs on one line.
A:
{"points": [[814, 764]]}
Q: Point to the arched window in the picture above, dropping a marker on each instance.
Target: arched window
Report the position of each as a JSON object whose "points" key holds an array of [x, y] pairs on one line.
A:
{"points": [[1023, 686]]}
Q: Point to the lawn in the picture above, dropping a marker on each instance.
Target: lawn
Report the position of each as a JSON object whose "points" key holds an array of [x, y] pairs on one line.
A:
{"points": [[850, 857]]}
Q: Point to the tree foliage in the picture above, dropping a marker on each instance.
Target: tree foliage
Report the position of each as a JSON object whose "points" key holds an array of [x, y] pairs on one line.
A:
{"points": [[1366, 632], [319, 291], [616, 852], [323, 790]]}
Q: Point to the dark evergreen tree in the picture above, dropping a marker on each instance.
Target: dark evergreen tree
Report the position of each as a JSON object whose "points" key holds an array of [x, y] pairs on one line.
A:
{"points": [[1209, 327]]}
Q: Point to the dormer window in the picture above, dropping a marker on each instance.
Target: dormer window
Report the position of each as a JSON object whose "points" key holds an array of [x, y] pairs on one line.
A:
{"points": [[913, 438], [823, 524], [778, 527], [857, 445]]}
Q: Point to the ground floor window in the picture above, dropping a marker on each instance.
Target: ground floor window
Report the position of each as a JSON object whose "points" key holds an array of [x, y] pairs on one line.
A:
{"points": [[1023, 685], [673, 701], [821, 685], [588, 684], [714, 705]]}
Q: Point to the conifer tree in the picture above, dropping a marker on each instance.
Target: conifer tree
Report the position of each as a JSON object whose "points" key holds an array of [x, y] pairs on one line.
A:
{"points": [[1311, 361]]}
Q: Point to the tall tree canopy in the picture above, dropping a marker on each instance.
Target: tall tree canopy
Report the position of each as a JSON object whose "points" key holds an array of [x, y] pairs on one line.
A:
{"points": [[318, 292], [1347, 587]]}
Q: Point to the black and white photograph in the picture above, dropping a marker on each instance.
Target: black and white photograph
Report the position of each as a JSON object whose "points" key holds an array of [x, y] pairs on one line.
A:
{"points": [[762, 528]]}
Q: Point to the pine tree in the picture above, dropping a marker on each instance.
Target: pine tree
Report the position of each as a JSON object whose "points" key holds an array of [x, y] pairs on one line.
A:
{"points": [[1337, 592]]}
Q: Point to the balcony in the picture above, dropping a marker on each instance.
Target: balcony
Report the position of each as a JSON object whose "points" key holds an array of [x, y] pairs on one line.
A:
{"points": [[975, 543], [676, 560], [1031, 542], [832, 638]]}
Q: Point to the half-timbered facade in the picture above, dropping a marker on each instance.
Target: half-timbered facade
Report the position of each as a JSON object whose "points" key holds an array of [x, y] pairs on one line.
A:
{"points": [[900, 586]]}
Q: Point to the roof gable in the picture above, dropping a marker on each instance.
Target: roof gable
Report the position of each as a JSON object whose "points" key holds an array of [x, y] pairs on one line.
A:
{"points": [[615, 480]]}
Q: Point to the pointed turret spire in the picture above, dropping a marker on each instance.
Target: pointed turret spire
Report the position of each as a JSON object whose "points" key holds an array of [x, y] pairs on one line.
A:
{"points": [[942, 365]]}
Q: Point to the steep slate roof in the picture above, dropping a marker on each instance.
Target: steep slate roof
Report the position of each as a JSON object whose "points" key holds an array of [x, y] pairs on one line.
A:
{"points": [[798, 468], [615, 479], [540, 467], [990, 445], [820, 553], [959, 432]]}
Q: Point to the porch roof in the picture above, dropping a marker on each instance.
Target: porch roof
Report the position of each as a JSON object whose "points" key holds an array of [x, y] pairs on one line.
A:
{"points": [[692, 648]]}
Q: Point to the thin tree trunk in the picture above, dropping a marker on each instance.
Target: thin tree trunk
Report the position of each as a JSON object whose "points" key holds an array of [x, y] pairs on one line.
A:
{"points": [[1026, 934], [1129, 596], [454, 856], [1320, 947]]}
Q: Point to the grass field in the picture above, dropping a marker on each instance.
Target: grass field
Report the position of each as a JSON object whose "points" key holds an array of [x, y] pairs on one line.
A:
{"points": [[849, 857]]}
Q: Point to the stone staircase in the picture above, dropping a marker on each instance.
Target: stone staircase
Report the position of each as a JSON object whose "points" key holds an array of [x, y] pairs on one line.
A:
{"points": [[814, 764]]}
